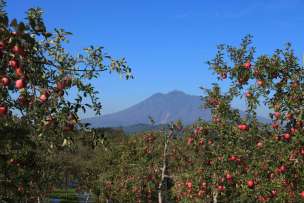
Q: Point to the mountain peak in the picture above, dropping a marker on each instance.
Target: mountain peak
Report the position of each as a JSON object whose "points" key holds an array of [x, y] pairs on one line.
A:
{"points": [[176, 92], [162, 107], [171, 93], [157, 94]]}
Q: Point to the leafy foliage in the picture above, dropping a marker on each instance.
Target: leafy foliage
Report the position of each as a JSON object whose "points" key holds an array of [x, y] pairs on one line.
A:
{"points": [[37, 113]]}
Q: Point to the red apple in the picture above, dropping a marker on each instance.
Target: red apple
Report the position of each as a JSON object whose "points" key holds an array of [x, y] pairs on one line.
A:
{"points": [[12, 161], [190, 140], [260, 82], [229, 177], [287, 137], [302, 151], [43, 98], [201, 142], [20, 84], [47, 93], [198, 130], [189, 185], [248, 94], [20, 189], [250, 184], [17, 50], [60, 85], [275, 125], [5, 81], [221, 188], [293, 131], [216, 119], [247, 65], [3, 110], [2, 45], [288, 115], [256, 73], [232, 158], [259, 144], [19, 72], [274, 193], [13, 63], [302, 194], [243, 127], [282, 169], [277, 114]]}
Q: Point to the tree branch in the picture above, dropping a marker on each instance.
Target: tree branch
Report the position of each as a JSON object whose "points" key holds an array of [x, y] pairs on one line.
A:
{"points": [[164, 169]]}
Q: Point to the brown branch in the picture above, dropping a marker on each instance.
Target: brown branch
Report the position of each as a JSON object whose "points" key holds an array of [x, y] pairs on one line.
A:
{"points": [[163, 176], [84, 70]]}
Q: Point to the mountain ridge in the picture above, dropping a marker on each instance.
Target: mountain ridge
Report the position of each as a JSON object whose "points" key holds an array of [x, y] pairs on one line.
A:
{"points": [[162, 107]]}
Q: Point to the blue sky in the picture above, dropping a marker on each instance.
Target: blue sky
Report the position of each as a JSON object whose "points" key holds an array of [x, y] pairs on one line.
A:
{"points": [[167, 42]]}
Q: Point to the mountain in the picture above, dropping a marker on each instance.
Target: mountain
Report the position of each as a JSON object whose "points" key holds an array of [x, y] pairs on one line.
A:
{"points": [[163, 108], [139, 128]]}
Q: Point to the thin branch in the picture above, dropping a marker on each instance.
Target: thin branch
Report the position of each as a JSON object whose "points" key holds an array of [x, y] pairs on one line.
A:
{"points": [[164, 169], [50, 63]]}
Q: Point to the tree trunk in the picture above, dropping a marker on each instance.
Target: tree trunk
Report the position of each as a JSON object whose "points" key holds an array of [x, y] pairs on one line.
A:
{"points": [[215, 194], [162, 185], [66, 184]]}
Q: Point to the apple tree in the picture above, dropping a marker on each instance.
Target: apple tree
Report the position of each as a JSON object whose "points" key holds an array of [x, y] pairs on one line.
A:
{"points": [[236, 157], [43, 88]]}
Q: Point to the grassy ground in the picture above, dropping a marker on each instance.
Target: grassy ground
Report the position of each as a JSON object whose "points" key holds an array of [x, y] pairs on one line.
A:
{"points": [[65, 197]]}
